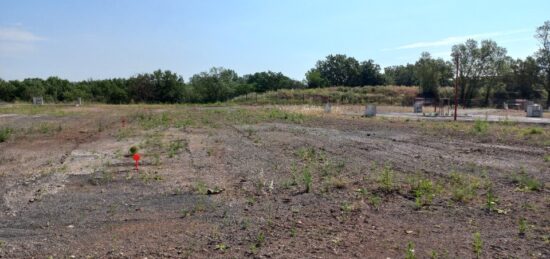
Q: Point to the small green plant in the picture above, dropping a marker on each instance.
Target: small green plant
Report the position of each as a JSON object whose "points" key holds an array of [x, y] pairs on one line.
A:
{"points": [[306, 153], [133, 150], [547, 158], [424, 191], [148, 177], [259, 242], [293, 232], [5, 134], [491, 200], [481, 126], [175, 147], [307, 179], [533, 131], [525, 182], [222, 247], [200, 188], [347, 207], [464, 187], [409, 254], [386, 180], [477, 244], [522, 226], [375, 201]]}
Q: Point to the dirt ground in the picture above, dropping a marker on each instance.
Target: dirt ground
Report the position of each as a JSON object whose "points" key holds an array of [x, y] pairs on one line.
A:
{"points": [[265, 182]]}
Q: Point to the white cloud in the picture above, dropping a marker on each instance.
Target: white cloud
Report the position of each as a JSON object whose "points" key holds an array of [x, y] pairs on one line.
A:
{"points": [[15, 41], [458, 39], [18, 35]]}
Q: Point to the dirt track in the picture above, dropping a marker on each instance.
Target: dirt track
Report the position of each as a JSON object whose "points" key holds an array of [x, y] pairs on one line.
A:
{"points": [[72, 191]]}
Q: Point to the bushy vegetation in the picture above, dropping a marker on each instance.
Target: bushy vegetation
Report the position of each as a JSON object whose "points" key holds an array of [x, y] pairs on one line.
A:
{"points": [[395, 95]]}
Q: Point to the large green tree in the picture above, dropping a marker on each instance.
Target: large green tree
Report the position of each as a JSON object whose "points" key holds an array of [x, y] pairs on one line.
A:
{"points": [[479, 63], [428, 75], [271, 81], [339, 70], [403, 75], [543, 55]]}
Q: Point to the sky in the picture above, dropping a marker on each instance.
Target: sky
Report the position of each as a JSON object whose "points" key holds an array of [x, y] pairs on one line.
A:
{"points": [[79, 40]]}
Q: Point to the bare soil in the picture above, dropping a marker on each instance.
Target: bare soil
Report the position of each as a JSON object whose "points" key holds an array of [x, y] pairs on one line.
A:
{"points": [[232, 182]]}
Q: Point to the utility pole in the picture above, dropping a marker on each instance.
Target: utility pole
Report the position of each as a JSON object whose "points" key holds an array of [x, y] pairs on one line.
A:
{"points": [[457, 60]]}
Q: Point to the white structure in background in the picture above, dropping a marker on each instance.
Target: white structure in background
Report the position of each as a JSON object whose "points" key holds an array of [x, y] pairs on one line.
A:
{"points": [[370, 110], [418, 106], [534, 110], [38, 100], [328, 107]]}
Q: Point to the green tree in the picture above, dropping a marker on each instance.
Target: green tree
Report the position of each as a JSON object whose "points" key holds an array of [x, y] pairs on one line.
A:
{"points": [[271, 81], [403, 75], [216, 85], [7, 91], [369, 74], [339, 70], [543, 55], [428, 75], [522, 80], [315, 80], [477, 64]]}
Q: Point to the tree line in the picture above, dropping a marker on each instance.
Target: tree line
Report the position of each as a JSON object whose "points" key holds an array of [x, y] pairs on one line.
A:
{"points": [[486, 72], [215, 85]]}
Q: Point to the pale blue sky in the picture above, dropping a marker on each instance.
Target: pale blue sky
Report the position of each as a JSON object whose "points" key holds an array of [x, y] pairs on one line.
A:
{"points": [[98, 39]]}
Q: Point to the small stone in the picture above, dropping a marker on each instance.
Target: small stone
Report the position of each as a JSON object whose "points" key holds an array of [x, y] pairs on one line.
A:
{"points": [[70, 226]]}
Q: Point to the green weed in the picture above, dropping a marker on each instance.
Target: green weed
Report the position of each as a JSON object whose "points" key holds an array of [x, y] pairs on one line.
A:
{"points": [[200, 188], [522, 227], [525, 182], [464, 187], [409, 254], [307, 179], [5, 134], [386, 180], [175, 147], [481, 126], [424, 191], [477, 244]]}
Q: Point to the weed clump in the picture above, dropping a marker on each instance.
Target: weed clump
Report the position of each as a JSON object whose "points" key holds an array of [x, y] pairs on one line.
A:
{"points": [[307, 179], [386, 180], [464, 187], [410, 251], [5, 134], [481, 126], [477, 244], [424, 191], [525, 182]]}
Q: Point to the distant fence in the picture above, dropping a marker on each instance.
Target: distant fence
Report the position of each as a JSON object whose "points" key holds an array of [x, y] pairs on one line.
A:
{"points": [[312, 99]]}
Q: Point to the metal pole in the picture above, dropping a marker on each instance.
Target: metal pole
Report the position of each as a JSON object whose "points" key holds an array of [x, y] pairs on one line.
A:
{"points": [[456, 85]]}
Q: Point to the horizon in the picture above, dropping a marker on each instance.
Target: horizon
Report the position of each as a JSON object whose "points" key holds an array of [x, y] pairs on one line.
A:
{"points": [[82, 40]]}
